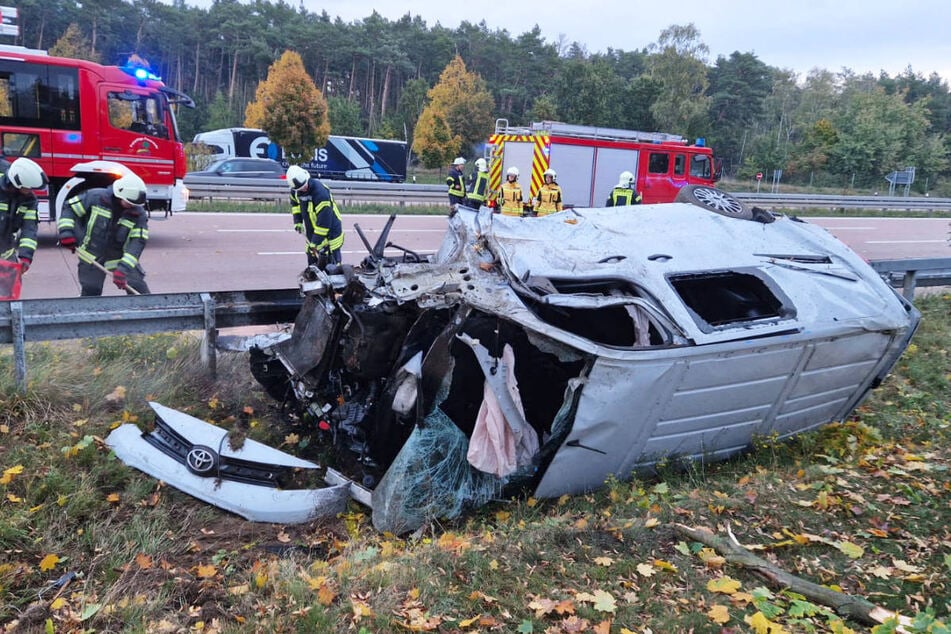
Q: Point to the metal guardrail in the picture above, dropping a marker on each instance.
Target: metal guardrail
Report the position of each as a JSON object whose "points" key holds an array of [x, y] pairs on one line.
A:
{"points": [[910, 273], [804, 201], [347, 192], [80, 317]]}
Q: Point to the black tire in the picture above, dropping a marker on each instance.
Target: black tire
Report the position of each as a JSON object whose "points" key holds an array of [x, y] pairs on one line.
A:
{"points": [[715, 200]]}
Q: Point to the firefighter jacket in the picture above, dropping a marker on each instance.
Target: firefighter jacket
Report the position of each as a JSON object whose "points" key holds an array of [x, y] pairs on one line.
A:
{"points": [[457, 188], [105, 231], [319, 214], [510, 198], [623, 196], [17, 222], [478, 188], [548, 200]]}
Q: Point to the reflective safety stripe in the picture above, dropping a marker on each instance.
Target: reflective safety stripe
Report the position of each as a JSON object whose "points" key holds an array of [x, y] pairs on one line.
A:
{"points": [[129, 260], [480, 187], [85, 255], [142, 234], [67, 224], [77, 206], [28, 243], [6, 255]]}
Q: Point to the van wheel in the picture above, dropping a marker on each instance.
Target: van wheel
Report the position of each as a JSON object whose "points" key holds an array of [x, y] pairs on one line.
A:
{"points": [[715, 200]]}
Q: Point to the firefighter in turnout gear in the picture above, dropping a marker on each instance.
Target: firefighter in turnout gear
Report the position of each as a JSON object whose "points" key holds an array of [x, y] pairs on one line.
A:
{"points": [[457, 188], [107, 227], [510, 194], [18, 210], [548, 199], [316, 216], [478, 190], [624, 192]]}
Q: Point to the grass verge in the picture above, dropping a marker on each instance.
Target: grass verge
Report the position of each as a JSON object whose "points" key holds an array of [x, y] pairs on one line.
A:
{"points": [[863, 505]]}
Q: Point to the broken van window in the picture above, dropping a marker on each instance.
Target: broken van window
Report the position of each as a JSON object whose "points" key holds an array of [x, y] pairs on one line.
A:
{"points": [[619, 323], [728, 298]]}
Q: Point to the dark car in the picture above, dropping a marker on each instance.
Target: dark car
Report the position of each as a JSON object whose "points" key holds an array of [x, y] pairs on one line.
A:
{"points": [[242, 168]]}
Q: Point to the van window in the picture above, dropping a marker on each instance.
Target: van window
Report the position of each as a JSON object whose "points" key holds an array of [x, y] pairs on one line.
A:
{"points": [[729, 299], [658, 163]]}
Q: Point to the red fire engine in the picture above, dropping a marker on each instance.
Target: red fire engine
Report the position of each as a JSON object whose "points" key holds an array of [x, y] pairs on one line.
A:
{"points": [[589, 160], [86, 124]]}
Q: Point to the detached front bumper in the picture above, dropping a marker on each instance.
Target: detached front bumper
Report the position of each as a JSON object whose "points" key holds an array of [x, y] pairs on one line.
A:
{"points": [[196, 457]]}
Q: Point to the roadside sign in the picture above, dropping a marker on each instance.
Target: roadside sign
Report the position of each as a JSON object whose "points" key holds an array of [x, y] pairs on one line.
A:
{"points": [[759, 176], [8, 21]]}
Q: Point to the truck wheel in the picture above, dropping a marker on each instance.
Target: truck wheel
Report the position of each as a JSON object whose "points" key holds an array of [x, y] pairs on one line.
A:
{"points": [[715, 200]]}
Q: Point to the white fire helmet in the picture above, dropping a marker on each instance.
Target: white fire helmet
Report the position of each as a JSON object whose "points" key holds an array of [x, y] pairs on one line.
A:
{"points": [[512, 171], [459, 161], [481, 165], [625, 179], [552, 173], [24, 173], [297, 176], [130, 188]]}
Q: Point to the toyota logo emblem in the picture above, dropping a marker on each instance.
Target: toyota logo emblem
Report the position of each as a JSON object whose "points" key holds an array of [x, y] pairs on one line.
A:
{"points": [[201, 460]]}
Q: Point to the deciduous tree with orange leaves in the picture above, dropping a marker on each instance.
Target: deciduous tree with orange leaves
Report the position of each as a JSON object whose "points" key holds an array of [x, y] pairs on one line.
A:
{"points": [[290, 108], [458, 115]]}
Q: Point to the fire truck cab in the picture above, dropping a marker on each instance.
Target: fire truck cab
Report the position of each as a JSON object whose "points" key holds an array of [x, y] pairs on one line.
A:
{"points": [[589, 160], [86, 124]]}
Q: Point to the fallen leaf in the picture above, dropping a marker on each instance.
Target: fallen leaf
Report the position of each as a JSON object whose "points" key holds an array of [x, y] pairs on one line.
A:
{"points": [[719, 614], [9, 473], [850, 550], [604, 602], [603, 561], [645, 570], [723, 585], [49, 562], [143, 561], [206, 571], [113, 498]]}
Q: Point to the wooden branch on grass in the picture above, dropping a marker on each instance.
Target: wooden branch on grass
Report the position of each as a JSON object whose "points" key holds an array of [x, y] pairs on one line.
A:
{"points": [[845, 605]]}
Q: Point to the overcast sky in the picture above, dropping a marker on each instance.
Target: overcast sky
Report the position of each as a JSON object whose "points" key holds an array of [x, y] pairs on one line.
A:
{"points": [[869, 35]]}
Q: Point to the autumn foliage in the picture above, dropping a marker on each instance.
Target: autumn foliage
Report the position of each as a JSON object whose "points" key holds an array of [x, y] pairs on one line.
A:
{"points": [[458, 115], [290, 108]]}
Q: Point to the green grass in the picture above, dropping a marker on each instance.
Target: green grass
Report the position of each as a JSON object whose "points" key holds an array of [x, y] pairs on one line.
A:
{"points": [[153, 559]]}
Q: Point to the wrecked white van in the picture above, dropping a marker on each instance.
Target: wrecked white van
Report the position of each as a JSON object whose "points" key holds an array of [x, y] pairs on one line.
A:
{"points": [[544, 355]]}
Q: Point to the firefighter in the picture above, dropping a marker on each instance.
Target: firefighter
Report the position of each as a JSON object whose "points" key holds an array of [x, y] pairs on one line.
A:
{"points": [[113, 227], [317, 216], [478, 190], [457, 188], [624, 192], [18, 210], [548, 199], [510, 194]]}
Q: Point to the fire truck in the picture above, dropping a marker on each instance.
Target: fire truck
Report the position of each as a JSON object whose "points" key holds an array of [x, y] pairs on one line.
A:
{"points": [[86, 124], [589, 160]]}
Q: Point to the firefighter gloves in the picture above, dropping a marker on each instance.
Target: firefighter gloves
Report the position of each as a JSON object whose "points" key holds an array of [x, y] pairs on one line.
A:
{"points": [[119, 279], [299, 227], [68, 242]]}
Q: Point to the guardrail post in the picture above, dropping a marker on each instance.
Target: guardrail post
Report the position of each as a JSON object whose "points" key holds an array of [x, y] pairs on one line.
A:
{"points": [[908, 287], [209, 342], [19, 347]]}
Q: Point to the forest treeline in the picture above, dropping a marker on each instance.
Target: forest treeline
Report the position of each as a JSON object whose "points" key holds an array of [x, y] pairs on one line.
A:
{"points": [[829, 128]]}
